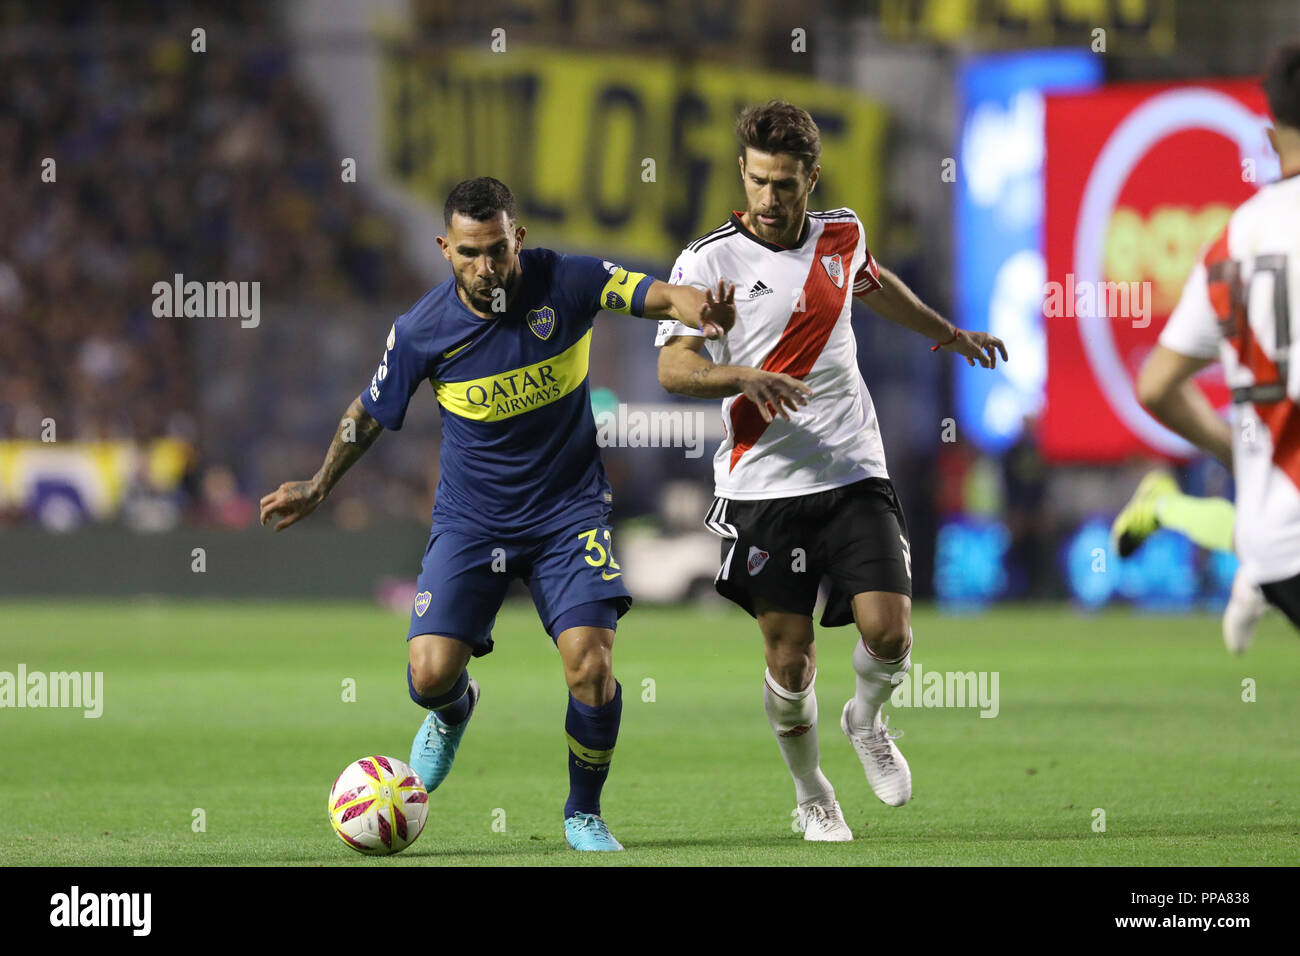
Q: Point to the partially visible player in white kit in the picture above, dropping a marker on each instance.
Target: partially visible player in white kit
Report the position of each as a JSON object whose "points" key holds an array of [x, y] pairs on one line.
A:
{"points": [[802, 489], [1241, 306]]}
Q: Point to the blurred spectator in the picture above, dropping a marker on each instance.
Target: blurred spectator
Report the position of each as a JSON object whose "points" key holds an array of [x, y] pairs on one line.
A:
{"points": [[1024, 480], [222, 505], [146, 507]]}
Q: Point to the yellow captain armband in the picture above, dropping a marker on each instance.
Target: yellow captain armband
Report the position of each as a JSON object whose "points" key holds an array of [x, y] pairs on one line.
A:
{"points": [[625, 292]]}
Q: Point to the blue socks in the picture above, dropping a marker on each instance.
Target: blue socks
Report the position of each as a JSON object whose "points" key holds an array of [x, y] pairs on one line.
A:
{"points": [[452, 707], [591, 732]]}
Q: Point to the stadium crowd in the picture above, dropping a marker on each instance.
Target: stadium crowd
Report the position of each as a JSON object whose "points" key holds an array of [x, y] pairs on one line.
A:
{"points": [[129, 157]]}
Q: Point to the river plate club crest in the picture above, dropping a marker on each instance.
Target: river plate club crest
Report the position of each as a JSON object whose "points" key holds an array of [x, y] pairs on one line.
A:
{"points": [[835, 269]]}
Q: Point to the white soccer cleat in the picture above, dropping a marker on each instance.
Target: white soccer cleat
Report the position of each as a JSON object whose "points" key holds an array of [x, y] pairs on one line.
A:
{"points": [[887, 771], [823, 821], [1246, 606]]}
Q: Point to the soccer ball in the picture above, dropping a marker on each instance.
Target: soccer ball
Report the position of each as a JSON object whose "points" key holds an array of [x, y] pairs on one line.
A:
{"points": [[378, 805]]}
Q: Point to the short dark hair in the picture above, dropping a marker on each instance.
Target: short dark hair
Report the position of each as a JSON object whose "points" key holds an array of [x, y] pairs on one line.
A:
{"points": [[480, 199], [1282, 85], [779, 127]]}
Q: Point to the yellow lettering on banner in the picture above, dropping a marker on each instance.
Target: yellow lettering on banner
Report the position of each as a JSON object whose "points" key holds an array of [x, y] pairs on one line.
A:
{"points": [[950, 19], [1085, 11], [569, 135], [510, 393], [1027, 11], [1144, 24], [1160, 247]]}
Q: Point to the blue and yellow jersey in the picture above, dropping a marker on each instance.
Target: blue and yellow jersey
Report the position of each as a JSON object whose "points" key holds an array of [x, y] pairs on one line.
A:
{"points": [[519, 454]]}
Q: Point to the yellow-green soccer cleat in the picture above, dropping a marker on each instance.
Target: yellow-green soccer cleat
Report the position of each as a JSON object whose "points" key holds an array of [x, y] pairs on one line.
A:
{"points": [[1137, 521]]}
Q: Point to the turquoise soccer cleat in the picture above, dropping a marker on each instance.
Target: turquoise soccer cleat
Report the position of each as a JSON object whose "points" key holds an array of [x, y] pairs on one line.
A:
{"points": [[435, 744], [587, 831]]}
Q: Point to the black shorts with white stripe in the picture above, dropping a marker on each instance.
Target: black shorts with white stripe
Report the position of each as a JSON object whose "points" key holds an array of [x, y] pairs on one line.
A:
{"points": [[778, 550]]}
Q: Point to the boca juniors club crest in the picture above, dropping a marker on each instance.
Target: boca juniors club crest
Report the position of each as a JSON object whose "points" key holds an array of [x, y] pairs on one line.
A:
{"points": [[542, 322], [757, 559], [835, 269], [422, 603]]}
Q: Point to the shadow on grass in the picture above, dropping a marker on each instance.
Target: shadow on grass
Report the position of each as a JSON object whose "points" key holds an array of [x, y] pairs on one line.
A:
{"points": [[541, 850]]}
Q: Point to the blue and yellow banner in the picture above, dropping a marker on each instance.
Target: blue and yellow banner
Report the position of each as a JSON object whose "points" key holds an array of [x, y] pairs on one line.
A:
{"points": [[93, 475], [618, 154]]}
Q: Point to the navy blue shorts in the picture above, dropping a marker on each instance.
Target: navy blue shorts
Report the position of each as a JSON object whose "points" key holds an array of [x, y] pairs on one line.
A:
{"points": [[464, 578]]}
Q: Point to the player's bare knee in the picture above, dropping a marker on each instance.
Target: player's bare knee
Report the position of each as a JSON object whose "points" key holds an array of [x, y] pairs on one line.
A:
{"points": [[884, 621], [793, 673], [888, 639], [791, 662], [789, 647], [886, 629], [588, 656], [429, 675], [888, 646], [590, 670], [430, 682]]}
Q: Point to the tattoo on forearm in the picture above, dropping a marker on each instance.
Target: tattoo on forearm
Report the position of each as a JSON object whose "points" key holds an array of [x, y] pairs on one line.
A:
{"points": [[708, 381], [357, 431]]}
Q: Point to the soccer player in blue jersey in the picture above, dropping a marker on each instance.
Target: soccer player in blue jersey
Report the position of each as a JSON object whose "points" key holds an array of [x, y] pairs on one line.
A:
{"points": [[522, 492]]}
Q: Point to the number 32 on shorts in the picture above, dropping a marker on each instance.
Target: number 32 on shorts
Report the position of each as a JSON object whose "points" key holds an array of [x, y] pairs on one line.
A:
{"points": [[601, 556]]}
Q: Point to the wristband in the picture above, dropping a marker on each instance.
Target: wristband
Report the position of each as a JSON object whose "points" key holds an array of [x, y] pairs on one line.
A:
{"points": [[956, 334]]}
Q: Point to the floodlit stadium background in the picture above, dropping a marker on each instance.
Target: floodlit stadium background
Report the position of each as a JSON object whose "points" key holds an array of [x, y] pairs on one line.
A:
{"points": [[991, 147]]}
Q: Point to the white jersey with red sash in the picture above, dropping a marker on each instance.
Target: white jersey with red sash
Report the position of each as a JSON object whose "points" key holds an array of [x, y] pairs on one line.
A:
{"points": [[792, 316], [1242, 306]]}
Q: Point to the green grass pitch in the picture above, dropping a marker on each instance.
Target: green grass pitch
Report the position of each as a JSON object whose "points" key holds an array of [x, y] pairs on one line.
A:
{"points": [[238, 709]]}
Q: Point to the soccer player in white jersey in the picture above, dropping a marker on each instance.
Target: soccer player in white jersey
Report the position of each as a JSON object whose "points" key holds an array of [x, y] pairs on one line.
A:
{"points": [[1241, 306], [801, 485]]}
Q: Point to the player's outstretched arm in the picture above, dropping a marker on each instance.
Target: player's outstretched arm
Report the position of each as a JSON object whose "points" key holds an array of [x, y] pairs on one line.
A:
{"points": [[896, 302], [357, 431], [684, 370], [712, 312], [1166, 389]]}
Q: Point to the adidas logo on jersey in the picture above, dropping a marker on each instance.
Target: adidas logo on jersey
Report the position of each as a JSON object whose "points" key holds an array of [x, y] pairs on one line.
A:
{"points": [[759, 289]]}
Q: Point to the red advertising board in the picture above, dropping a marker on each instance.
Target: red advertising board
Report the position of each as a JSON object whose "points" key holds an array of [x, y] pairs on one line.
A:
{"points": [[1137, 178]]}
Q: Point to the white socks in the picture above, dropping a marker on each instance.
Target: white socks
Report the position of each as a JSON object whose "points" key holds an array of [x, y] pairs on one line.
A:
{"points": [[793, 716], [875, 683]]}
